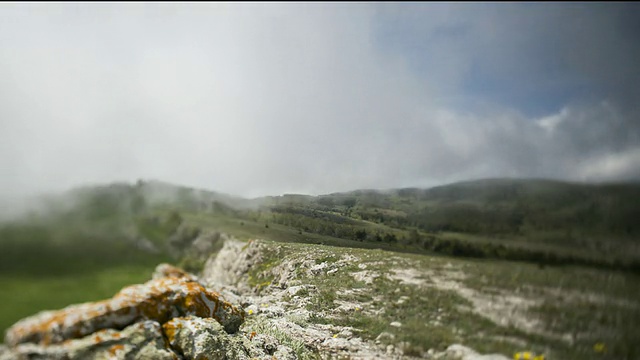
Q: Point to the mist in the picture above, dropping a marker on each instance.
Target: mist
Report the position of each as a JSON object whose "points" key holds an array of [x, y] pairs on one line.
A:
{"points": [[265, 99]]}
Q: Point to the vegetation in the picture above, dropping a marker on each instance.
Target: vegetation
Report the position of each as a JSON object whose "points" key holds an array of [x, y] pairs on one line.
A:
{"points": [[88, 243], [25, 294], [545, 222], [575, 308]]}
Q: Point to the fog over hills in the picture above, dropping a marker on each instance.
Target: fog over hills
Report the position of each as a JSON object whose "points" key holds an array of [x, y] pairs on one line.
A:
{"points": [[257, 100]]}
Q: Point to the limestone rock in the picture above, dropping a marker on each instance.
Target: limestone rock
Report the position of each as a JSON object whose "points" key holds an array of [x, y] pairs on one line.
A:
{"points": [[461, 352], [231, 263], [143, 340], [198, 338], [166, 270], [206, 243], [159, 299], [201, 338]]}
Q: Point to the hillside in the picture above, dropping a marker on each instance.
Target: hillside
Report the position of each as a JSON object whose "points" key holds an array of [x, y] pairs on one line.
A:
{"points": [[545, 221], [305, 301], [554, 239]]}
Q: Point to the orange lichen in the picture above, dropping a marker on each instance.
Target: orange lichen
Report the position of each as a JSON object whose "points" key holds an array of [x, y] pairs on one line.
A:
{"points": [[170, 329], [159, 299], [115, 348]]}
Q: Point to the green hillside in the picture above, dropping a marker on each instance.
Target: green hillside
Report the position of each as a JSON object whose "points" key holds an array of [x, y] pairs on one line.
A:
{"points": [[121, 231], [537, 220]]}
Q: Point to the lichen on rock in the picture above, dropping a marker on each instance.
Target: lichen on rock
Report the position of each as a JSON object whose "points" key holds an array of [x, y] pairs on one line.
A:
{"points": [[199, 338], [160, 299], [166, 270], [142, 340]]}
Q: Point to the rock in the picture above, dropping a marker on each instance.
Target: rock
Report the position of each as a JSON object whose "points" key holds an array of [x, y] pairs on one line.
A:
{"points": [[385, 336], [294, 290], [402, 300], [267, 343], [143, 340], [268, 347], [457, 351], [231, 263], [396, 324], [318, 269], [365, 276], [390, 349], [206, 243], [166, 270], [198, 338], [284, 273], [159, 299]]}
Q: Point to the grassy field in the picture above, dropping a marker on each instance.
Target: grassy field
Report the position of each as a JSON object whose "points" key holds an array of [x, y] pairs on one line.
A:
{"points": [[25, 295]]}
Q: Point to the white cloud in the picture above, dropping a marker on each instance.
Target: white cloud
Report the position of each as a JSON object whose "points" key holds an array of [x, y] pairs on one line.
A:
{"points": [[550, 122], [612, 166], [262, 99]]}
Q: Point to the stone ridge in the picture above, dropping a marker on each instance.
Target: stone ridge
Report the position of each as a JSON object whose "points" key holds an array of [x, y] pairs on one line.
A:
{"points": [[142, 340], [160, 299]]}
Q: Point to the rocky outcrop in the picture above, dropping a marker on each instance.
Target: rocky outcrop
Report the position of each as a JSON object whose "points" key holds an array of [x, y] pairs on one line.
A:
{"points": [[195, 338], [166, 270], [160, 300], [143, 340], [178, 315], [180, 338], [282, 305], [171, 317], [231, 263], [139, 310]]}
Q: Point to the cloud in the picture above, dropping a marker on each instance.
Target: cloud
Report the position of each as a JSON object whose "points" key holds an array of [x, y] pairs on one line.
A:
{"points": [[257, 99], [612, 166]]}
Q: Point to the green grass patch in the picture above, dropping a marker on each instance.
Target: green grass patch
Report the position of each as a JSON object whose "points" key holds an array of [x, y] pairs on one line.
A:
{"points": [[26, 295]]}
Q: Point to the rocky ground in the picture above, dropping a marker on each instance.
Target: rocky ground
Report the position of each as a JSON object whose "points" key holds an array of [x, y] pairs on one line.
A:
{"points": [[305, 302], [278, 297]]}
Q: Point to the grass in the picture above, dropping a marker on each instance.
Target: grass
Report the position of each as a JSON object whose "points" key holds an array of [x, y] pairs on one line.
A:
{"points": [[51, 263], [22, 296], [246, 229]]}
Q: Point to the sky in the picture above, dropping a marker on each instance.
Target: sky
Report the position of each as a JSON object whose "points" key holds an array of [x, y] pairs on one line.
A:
{"points": [[262, 99]]}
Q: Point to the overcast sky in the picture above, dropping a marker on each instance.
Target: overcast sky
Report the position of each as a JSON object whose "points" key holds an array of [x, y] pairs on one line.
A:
{"points": [[257, 99]]}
